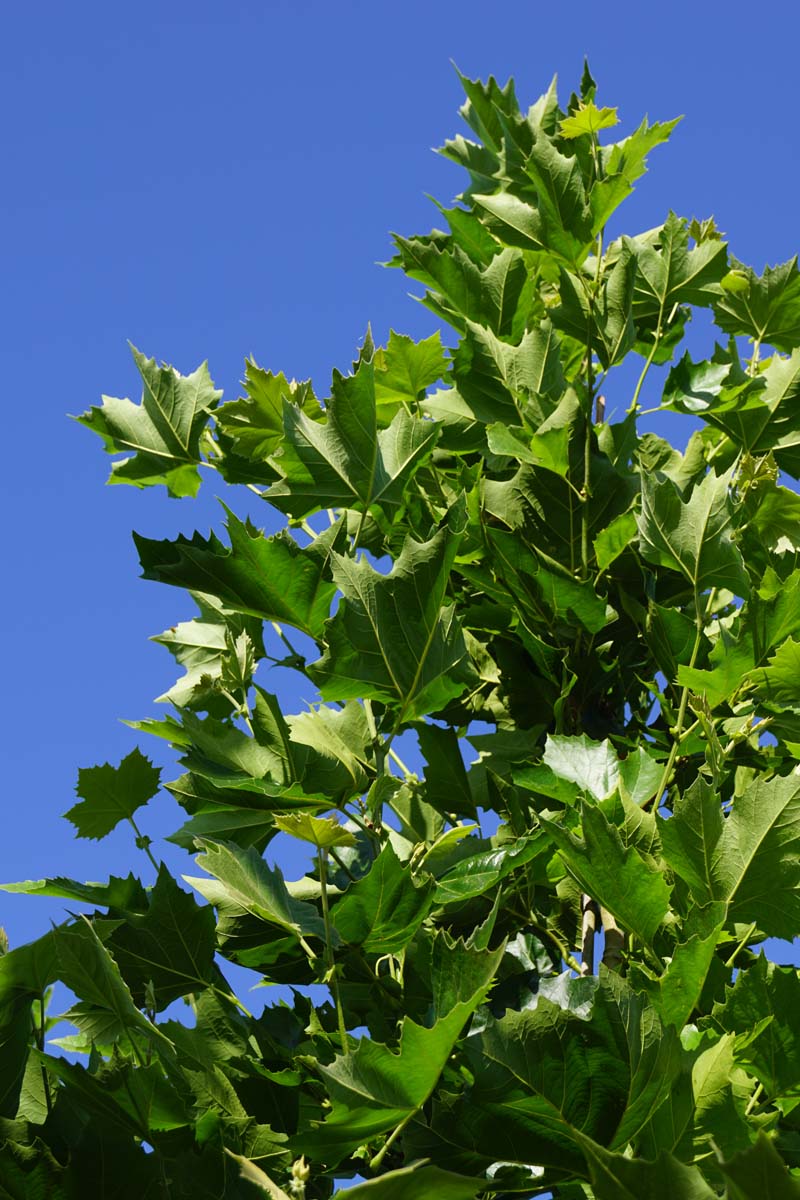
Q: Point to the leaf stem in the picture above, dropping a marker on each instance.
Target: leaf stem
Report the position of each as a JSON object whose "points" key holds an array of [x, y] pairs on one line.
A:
{"points": [[143, 843], [376, 1161], [676, 729], [330, 962], [743, 940], [648, 362]]}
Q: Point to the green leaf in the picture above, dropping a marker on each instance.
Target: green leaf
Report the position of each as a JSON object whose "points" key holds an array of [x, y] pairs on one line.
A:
{"points": [[494, 377], [618, 1177], [692, 536], [588, 119], [446, 782], [374, 1088], [764, 1003], [242, 879], [590, 768], [682, 983], [592, 1062], [382, 911], [125, 893], [109, 794], [322, 832], [748, 858], [776, 683], [606, 319], [759, 1173], [417, 1182], [345, 461], [615, 538], [90, 971], [167, 951], [624, 163], [767, 309], [163, 431], [673, 274], [255, 423], [477, 874], [418, 671], [404, 370], [532, 578], [267, 577], [617, 876]]}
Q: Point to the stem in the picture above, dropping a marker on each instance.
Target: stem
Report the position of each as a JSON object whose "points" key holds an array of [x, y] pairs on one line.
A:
{"points": [[360, 530], [329, 959], [615, 941], [376, 1161], [648, 362], [240, 709], [588, 930], [40, 1037], [678, 726], [409, 774], [143, 844], [751, 1103], [753, 367], [294, 653], [748, 933]]}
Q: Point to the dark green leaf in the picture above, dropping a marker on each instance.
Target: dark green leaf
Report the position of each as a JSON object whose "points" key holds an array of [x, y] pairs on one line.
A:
{"points": [[268, 577], [109, 794]]}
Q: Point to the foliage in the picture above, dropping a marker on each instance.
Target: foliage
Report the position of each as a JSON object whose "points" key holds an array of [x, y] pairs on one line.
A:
{"points": [[594, 640]]}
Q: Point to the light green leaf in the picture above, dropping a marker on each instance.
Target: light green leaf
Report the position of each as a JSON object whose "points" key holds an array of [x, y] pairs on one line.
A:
{"points": [[404, 370], [588, 119], [590, 768], [163, 431], [112, 794], [243, 879], [749, 859], [322, 832]]}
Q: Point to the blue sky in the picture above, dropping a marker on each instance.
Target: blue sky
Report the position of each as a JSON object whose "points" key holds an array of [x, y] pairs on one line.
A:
{"points": [[217, 180]]}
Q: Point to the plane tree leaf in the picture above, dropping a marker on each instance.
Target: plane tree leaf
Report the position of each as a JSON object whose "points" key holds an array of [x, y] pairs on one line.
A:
{"points": [[764, 307], [418, 672], [163, 431], [109, 794], [267, 577], [345, 461]]}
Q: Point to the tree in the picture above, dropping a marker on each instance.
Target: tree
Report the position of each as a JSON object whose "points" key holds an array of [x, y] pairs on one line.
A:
{"points": [[594, 639]]}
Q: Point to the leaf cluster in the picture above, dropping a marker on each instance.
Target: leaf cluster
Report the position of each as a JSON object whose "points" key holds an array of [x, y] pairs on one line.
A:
{"points": [[592, 638]]}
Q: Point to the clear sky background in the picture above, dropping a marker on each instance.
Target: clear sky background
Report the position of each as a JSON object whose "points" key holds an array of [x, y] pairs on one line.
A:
{"points": [[212, 180]]}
